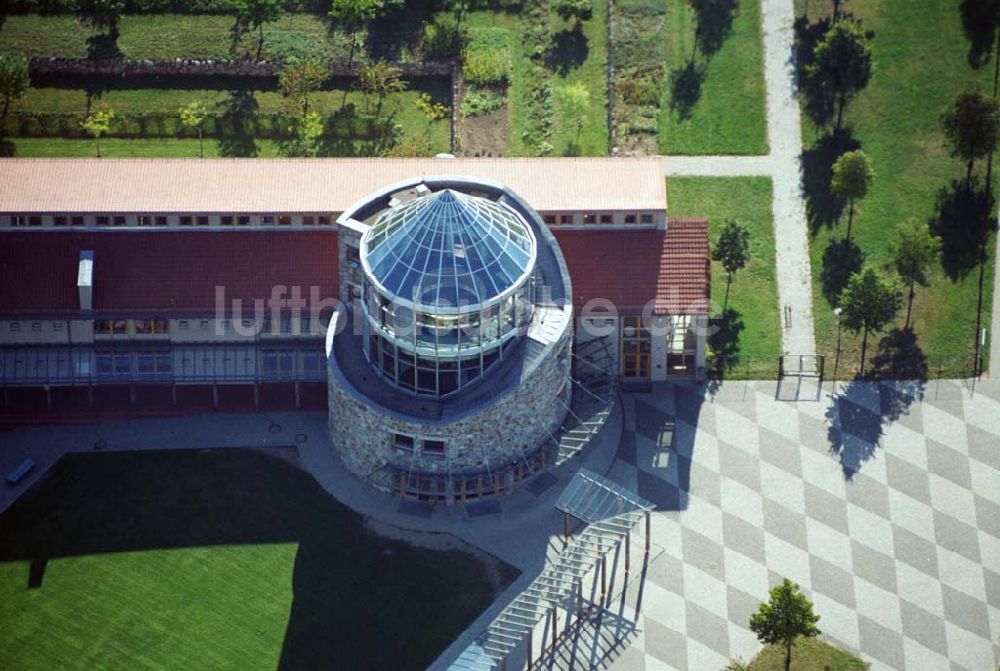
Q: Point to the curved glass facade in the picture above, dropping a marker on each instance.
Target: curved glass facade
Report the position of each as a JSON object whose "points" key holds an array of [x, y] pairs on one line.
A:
{"points": [[447, 290], [448, 250]]}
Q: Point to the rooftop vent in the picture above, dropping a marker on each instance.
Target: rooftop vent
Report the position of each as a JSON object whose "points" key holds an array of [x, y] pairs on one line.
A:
{"points": [[85, 280]]}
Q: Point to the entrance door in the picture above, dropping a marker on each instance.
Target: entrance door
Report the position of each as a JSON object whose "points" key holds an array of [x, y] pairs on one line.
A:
{"points": [[635, 349]]}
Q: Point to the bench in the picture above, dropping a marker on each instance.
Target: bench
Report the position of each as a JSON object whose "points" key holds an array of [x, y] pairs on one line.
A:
{"points": [[15, 476]]}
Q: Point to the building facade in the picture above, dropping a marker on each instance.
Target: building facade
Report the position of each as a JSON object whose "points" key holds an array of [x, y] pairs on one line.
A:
{"points": [[138, 284]]}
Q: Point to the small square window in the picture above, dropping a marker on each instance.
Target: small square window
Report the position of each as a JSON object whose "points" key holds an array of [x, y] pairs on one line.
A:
{"points": [[103, 221], [144, 220], [36, 327], [18, 221], [227, 221], [76, 221], [435, 447], [120, 221], [647, 218], [565, 218], [607, 219], [187, 221], [161, 221], [60, 221], [203, 324], [549, 219], [243, 221], [15, 326], [403, 442], [268, 220], [590, 218], [285, 220], [182, 325], [34, 221], [57, 326], [202, 221], [323, 220], [308, 221], [629, 218]]}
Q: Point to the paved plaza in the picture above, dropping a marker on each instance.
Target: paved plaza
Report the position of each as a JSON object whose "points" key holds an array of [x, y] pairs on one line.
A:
{"points": [[891, 527], [883, 507]]}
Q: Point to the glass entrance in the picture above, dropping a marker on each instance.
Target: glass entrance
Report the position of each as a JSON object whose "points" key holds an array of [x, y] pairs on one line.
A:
{"points": [[635, 349]]}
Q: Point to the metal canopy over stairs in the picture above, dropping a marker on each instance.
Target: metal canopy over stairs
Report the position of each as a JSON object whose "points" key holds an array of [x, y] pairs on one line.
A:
{"points": [[611, 512]]}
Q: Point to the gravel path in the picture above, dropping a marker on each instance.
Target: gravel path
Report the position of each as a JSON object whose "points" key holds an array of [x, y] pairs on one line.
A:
{"points": [[783, 166]]}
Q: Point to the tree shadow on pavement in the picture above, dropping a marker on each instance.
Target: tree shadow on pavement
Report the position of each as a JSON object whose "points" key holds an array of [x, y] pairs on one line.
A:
{"points": [[859, 414], [822, 207]]}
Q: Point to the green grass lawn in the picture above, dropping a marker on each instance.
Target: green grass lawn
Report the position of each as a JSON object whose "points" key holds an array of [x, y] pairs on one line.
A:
{"points": [[753, 294], [726, 114], [808, 654], [201, 36], [896, 121], [55, 147], [217, 559], [579, 59]]}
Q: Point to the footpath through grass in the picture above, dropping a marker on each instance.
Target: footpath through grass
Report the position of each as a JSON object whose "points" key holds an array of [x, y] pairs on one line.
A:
{"points": [[750, 328], [919, 66], [714, 99], [217, 559]]}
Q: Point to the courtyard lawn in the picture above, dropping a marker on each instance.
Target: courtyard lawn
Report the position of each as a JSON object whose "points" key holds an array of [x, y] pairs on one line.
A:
{"points": [[165, 36], [751, 329], [896, 121], [723, 110], [221, 559], [808, 654], [577, 57]]}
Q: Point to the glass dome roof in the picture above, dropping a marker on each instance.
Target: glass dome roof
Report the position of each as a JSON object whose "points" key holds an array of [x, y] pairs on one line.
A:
{"points": [[448, 249]]}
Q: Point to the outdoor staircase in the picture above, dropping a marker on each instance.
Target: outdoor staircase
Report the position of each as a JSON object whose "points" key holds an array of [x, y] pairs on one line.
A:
{"points": [[595, 642], [594, 388]]}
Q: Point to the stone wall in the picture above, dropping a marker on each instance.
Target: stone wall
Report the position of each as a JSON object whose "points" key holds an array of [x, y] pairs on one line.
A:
{"points": [[496, 432]]}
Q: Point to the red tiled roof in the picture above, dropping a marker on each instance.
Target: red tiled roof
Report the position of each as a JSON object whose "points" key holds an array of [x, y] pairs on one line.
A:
{"points": [[178, 272], [164, 271], [633, 268]]}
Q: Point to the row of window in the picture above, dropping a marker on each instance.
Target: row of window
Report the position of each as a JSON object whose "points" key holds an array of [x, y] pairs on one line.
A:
{"points": [[170, 220], [592, 218], [407, 444], [156, 326], [274, 362]]}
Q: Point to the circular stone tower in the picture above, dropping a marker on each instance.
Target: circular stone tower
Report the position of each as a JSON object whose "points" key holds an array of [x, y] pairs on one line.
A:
{"points": [[451, 373]]}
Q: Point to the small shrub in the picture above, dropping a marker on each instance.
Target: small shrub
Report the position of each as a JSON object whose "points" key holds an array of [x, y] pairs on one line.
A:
{"points": [[482, 101]]}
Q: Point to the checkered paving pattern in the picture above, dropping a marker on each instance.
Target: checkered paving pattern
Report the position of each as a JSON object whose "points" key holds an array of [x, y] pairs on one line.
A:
{"points": [[885, 509]]}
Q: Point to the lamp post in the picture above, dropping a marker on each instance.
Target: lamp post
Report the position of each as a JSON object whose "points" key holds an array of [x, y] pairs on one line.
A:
{"points": [[836, 360]]}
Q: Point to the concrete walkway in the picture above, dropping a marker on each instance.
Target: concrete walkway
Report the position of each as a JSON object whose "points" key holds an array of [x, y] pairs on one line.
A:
{"points": [[993, 365], [783, 166]]}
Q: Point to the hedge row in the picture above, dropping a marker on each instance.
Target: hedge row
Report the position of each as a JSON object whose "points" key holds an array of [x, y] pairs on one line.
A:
{"points": [[153, 125], [154, 6]]}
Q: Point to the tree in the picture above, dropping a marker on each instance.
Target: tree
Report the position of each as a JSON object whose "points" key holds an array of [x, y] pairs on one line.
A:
{"points": [[432, 112], [869, 302], [574, 104], [253, 14], [913, 252], [13, 83], [784, 618], [96, 124], [379, 79], [306, 131], [351, 15], [971, 127], [102, 15], [842, 62], [193, 115], [298, 79], [732, 249], [852, 175], [575, 11], [462, 7]]}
